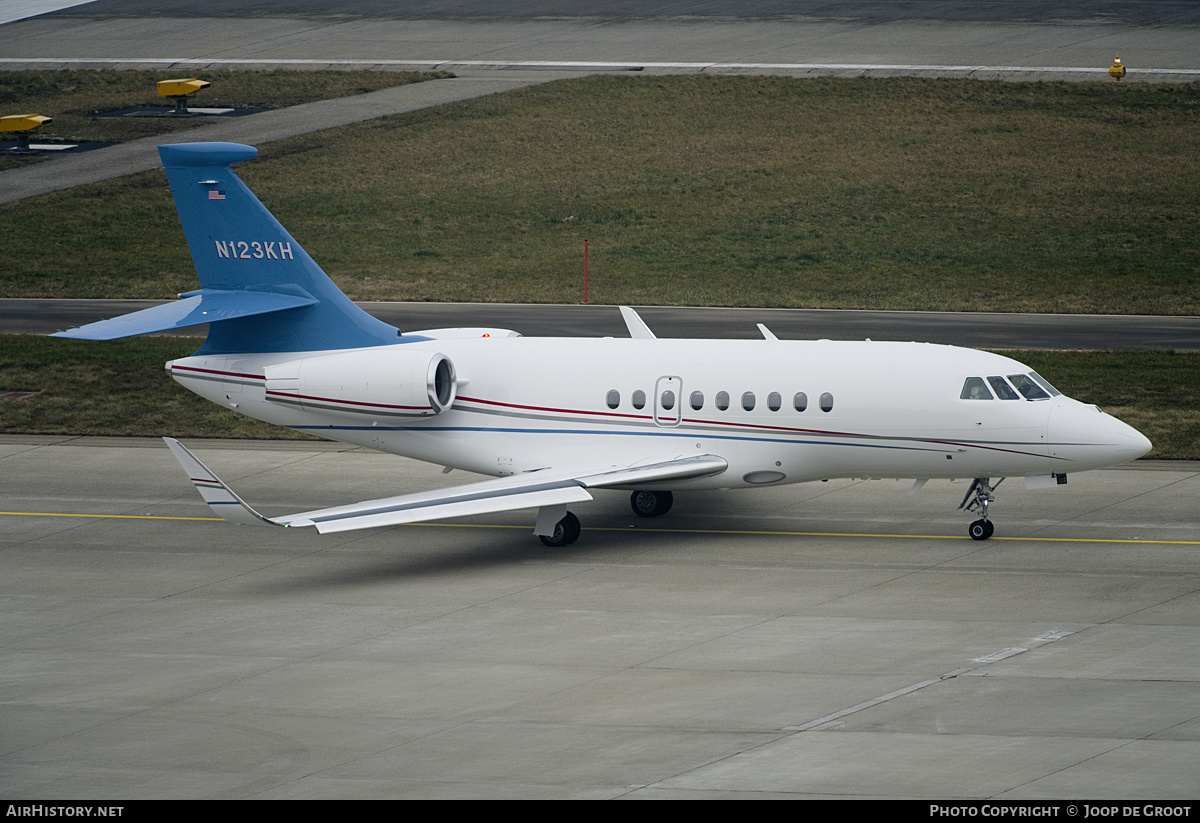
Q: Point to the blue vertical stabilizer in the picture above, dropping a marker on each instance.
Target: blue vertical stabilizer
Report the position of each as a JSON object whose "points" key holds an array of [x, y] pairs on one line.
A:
{"points": [[239, 246], [260, 292]]}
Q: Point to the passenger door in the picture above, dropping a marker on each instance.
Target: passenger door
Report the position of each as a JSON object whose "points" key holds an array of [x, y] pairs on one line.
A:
{"points": [[668, 401]]}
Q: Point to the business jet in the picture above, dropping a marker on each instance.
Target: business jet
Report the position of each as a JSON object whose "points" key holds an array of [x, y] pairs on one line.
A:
{"points": [[552, 419]]}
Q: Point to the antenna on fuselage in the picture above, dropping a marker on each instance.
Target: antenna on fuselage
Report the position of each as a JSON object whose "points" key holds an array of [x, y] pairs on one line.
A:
{"points": [[637, 327]]}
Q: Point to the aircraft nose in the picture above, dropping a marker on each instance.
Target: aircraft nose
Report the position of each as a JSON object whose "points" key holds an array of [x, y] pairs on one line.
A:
{"points": [[1126, 442], [1091, 439], [1141, 443]]}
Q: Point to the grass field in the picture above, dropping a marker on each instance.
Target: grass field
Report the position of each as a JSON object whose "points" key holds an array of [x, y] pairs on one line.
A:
{"points": [[117, 388], [76, 99], [120, 388], [838, 193], [882, 193]]}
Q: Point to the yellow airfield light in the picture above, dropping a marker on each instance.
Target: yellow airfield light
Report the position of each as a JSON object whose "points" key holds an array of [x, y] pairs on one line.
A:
{"points": [[179, 89], [23, 122], [174, 88]]}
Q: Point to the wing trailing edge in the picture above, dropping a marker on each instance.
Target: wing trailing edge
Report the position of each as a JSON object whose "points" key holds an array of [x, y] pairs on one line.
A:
{"points": [[520, 491]]}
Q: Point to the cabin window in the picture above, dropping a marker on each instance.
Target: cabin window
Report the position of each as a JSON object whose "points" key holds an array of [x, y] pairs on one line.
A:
{"points": [[774, 401], [639, 399], [722, 400], [1027, 387], [666, 400], [697, 400], [975, 389], [613, 399], [1003, 390], [800, 401], [1041, 381], [748, 401], [826, 402]]}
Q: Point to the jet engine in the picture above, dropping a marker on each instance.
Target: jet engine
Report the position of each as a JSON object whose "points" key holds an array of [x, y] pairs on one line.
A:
{"points": [[396, 381]]}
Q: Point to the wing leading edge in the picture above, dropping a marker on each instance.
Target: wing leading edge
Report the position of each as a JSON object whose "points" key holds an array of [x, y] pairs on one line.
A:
{"points": [[547, 487]]}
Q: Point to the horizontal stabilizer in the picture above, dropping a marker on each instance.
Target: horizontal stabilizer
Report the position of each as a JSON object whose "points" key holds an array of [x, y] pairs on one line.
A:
{"points": [[196, 308]]}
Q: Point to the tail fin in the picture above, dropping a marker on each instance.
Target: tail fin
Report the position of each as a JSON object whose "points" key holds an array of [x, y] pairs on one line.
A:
{"points": [[260, 291]]}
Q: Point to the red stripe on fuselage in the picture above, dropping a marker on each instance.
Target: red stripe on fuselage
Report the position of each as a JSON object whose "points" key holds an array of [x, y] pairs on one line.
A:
{"points": [[347, 402], [743, 426], [221, 373]]}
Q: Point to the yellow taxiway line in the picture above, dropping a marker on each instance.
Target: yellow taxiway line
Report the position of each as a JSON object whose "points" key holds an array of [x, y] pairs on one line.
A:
{"points": [[759, 532], [111, 516]]}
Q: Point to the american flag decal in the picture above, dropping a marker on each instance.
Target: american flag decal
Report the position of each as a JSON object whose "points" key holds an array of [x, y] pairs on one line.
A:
{"points": [[216, 194]]}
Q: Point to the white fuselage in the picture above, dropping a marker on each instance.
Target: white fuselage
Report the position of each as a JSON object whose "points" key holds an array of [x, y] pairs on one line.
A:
{"points": [[518, 404]]}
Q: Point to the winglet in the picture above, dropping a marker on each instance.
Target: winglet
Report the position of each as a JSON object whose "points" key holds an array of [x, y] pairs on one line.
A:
{"points": [[220, 498]]}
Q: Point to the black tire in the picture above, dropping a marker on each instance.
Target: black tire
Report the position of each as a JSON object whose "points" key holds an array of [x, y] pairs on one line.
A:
{"points": [[566, 532], [981, 530], [651, 504]]}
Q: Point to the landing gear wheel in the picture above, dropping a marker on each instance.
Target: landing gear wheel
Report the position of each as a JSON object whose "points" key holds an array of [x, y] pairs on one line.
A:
{"points": [[981, 529], [980, 496], [566, 532], [651, 504]]}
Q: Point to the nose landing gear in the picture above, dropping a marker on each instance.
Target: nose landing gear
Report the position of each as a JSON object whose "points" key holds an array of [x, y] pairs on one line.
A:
{"points": [[978, 497], [981, 529]]}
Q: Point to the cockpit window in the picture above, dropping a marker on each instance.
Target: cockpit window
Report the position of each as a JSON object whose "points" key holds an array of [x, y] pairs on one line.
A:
{"points": [[1041, 381], [1003, 390], [1027, 387], [975, 389]]}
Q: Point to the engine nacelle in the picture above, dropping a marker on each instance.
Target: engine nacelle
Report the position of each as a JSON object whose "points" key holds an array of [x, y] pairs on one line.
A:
{"points": [[385, 382], [462, 333]]}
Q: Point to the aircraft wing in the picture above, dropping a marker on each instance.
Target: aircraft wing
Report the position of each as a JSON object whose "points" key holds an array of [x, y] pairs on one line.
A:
{"points": [[520, 491]]}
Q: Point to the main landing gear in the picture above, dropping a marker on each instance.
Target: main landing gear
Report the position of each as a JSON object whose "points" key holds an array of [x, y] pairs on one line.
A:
{"points": [[978, 497], [566, 532], [651, 504]]}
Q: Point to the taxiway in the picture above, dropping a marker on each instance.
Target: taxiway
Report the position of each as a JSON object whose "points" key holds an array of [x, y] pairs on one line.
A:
{"points": [[837, 639]]}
